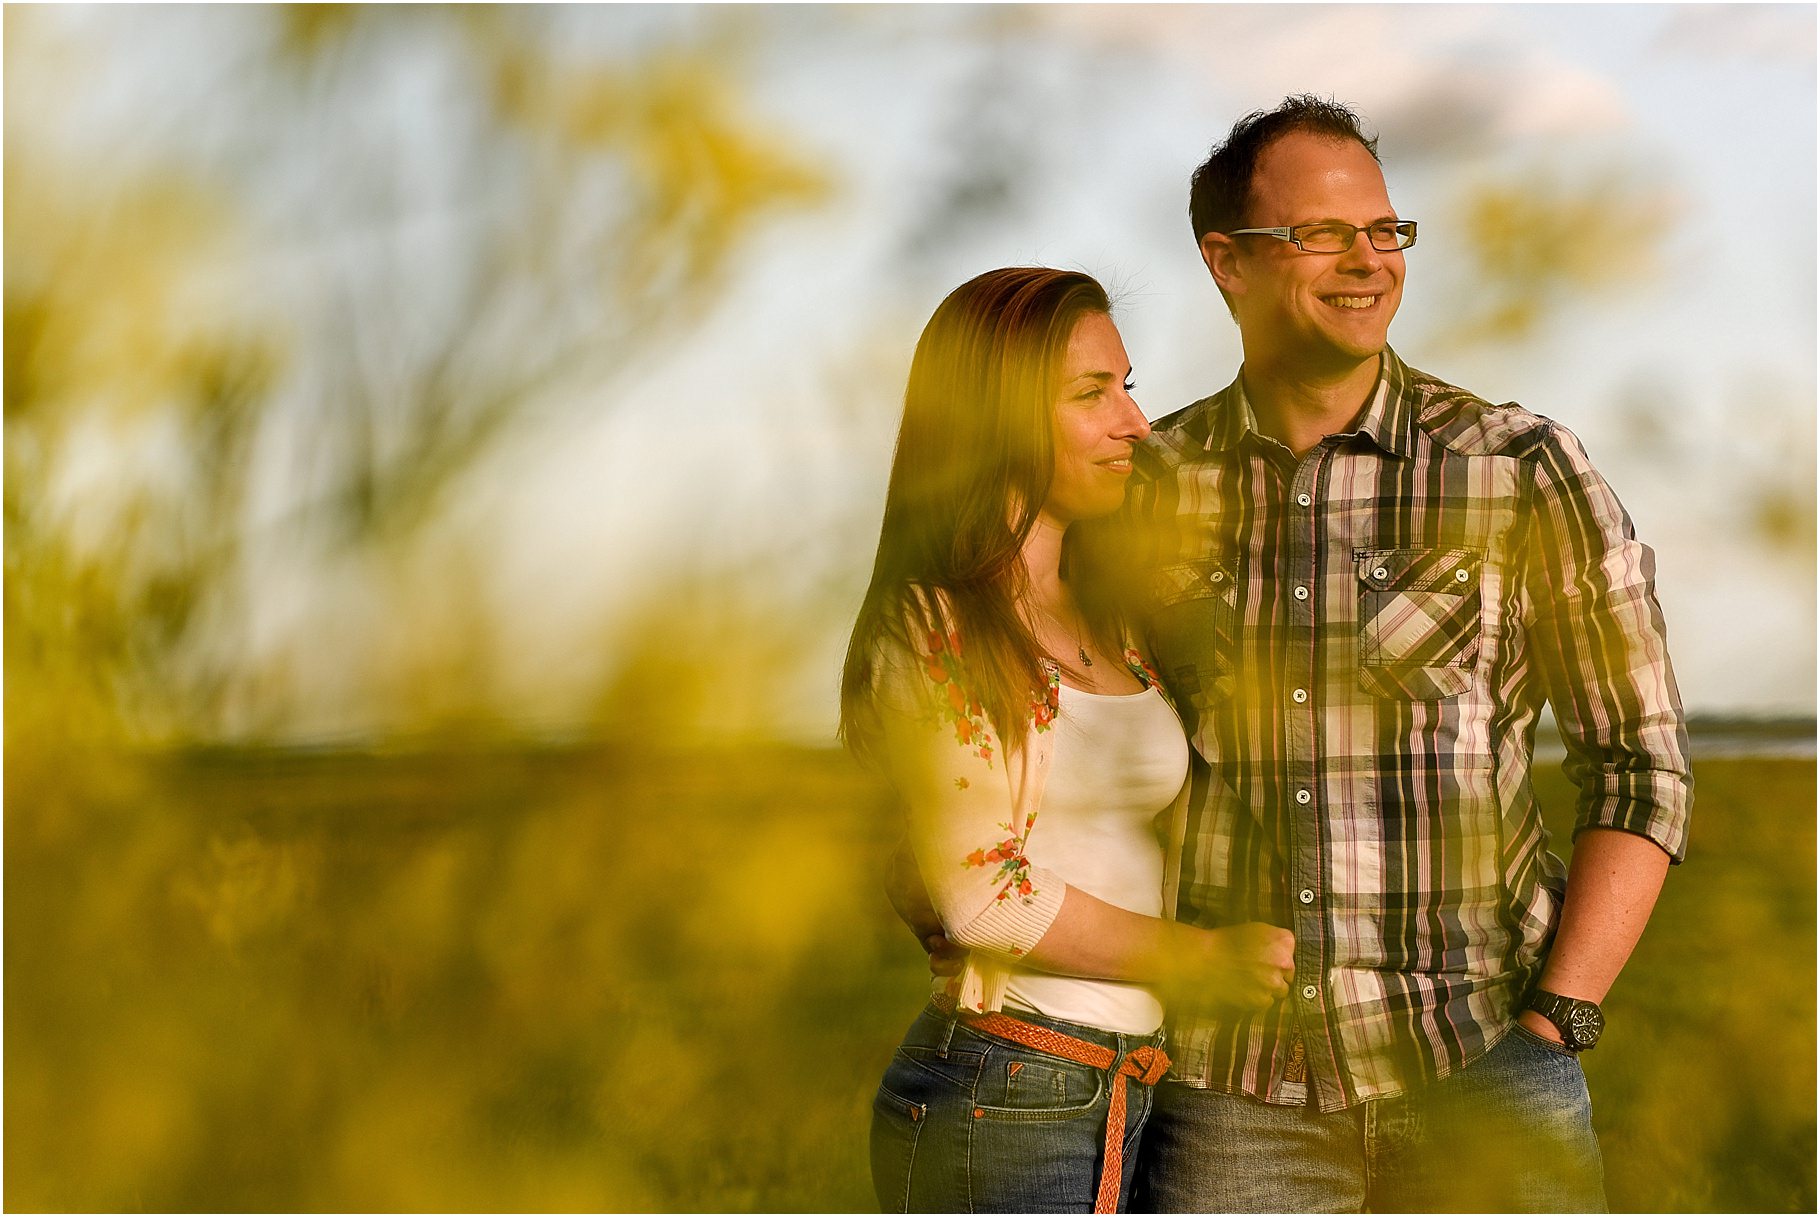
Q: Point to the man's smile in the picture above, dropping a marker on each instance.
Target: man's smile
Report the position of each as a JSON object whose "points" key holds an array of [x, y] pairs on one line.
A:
{"points": [[1352, 302]]}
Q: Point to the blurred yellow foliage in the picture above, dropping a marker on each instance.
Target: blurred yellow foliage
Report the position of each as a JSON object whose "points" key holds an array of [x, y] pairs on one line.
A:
{"points": [[114, 302], [119, 327], [1542, 238], [633, 979], [244, 886], [704, 175], [306, 32], [145, 369]]}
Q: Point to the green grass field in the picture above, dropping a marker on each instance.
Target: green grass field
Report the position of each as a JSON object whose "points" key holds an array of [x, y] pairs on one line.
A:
{"points": [[605, 981]]}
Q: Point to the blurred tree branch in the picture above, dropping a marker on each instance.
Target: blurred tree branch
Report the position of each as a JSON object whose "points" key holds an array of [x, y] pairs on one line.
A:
{"points": [[375, 289], [598, 209]]}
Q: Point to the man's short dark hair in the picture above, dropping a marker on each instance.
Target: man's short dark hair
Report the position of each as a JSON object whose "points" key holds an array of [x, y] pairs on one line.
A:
{"points": [[1219, 193]]}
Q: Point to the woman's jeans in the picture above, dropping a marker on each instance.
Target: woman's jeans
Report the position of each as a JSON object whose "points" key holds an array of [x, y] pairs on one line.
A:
{"points": [[965, 1123], [1510, 1133]]}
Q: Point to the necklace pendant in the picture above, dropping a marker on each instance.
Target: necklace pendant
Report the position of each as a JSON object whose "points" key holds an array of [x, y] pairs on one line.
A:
{"points": [[1082, 652]]}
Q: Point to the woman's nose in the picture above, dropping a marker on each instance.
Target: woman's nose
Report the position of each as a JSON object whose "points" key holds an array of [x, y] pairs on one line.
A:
{"points": [[1133, 425]]}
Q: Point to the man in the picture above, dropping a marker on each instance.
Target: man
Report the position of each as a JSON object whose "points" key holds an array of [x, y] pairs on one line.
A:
{"points": [[1361, 585], [1365, 583]]}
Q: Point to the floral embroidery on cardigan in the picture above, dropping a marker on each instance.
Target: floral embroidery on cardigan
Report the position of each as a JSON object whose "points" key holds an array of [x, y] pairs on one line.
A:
{"points": [[1044, 709], [943, 665], [1141, 668], [946, 670], [1013, 867]]}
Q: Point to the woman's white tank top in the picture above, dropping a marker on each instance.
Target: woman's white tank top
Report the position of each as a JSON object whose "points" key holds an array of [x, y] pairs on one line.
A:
{"points": [[1120, 759]]}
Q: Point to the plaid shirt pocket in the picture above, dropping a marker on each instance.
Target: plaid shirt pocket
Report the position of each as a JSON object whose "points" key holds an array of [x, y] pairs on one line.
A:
{"points": [[1419, 621]]}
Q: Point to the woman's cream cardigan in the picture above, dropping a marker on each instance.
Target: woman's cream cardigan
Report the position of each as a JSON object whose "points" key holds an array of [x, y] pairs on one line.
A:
{"points": [[972, 807]]}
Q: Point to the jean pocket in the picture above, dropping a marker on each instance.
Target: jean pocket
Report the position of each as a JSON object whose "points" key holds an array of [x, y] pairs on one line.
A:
{"points": [[1420, 620], [1018, 1084], [1547, 1045], [897, 1123]]}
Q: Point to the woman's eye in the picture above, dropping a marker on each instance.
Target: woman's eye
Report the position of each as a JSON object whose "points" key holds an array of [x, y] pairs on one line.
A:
{"points": [[1131, 386]]}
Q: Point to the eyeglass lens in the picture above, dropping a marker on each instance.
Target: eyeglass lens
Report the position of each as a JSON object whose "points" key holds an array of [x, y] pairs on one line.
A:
{"points": [[1336, 238]]}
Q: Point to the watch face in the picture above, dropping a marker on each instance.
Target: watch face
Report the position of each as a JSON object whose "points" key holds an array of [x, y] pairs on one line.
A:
{"points": [[1584, 1023]]}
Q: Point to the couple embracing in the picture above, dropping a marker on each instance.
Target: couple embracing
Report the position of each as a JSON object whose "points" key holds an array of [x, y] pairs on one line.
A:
{"points": [[1227, 721]]}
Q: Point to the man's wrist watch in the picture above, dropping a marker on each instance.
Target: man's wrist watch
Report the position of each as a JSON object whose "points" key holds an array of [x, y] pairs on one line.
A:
{"points": [[1579, 1021]]}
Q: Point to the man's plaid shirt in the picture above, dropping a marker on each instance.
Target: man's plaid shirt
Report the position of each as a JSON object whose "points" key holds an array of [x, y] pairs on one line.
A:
{"points": [[1359, 643]]}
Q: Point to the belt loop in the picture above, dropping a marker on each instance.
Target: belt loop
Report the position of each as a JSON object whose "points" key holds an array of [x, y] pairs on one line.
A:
{"points": [[954, 1019]]}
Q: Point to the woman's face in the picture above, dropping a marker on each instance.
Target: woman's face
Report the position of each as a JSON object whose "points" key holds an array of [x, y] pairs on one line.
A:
{"points": [[1097, 424]]}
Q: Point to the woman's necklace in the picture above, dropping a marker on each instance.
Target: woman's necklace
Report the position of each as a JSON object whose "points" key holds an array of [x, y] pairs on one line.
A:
{"points": [[1080, 646]]}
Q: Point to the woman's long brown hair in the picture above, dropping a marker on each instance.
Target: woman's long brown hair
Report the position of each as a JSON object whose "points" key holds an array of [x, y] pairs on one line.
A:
{"points": [[975, 457]]}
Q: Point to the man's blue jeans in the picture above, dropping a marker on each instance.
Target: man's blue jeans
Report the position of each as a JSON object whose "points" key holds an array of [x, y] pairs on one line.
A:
{"points": [[1510, 1133]]}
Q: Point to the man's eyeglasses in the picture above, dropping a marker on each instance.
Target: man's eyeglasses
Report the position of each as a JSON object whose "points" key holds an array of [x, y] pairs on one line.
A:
{"points": [[1336, 238]]}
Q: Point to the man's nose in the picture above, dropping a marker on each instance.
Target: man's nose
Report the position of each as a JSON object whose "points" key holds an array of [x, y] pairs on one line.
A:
{"points": [[1361, 255]]}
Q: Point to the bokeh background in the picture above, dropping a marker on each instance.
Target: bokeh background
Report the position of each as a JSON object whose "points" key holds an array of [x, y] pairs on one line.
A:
{"points": [[443, 452]]}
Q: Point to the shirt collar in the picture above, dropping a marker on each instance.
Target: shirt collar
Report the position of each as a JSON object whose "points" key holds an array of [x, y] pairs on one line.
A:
{"points": [[1233, 417], [1389, 419]]}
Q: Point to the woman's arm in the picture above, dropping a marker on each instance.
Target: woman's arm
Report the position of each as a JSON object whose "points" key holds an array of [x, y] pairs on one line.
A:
{"points": [[964, 829], [1243, 966], [969, 853], [1247, 966]]}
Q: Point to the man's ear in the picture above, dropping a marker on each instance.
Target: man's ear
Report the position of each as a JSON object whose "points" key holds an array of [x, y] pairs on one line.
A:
{"points": [[1221, 255]]}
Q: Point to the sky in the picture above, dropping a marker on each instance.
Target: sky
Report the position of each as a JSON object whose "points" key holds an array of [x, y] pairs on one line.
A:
{"points": [[958, 138], [1710, 339]]}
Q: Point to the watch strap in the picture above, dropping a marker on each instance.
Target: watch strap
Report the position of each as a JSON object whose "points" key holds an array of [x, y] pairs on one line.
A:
{"points": [[1558, 1010]]}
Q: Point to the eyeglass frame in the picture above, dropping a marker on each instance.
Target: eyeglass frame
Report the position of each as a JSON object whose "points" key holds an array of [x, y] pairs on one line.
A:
{"points": [[1289, 235]]}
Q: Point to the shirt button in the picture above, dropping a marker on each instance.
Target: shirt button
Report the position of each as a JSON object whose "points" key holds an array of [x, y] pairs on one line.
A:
{"points": [[1461, 575], [1303, 797], [1380, 573], [1299, 696], [1304, 500], [1306, 896], [1218, 576], [1310, 992], [1301, 593]]}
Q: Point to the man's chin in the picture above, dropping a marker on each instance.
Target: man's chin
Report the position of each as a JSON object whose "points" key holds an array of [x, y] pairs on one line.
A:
{"points": [[1324, 353], [1361, 343], [1338, 356]]}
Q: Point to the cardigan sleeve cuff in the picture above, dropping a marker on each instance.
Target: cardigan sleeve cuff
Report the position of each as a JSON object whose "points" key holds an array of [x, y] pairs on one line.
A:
{"points": [[1014, 923]]}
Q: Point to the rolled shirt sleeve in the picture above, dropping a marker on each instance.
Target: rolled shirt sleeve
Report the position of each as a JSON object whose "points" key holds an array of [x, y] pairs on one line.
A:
{"points": [[1602, 648]]}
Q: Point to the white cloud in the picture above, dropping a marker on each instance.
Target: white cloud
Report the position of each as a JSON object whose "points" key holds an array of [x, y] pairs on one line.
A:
{"points": [[1437, 80], [1775, 32]]}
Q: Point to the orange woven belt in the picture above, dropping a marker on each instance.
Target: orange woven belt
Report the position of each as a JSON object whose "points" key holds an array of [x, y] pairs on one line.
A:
{"points": [[1145, 1063]]}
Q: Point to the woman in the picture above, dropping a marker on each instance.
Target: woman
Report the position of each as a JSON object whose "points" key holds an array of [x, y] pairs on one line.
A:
{"points": [[990, 691]]}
